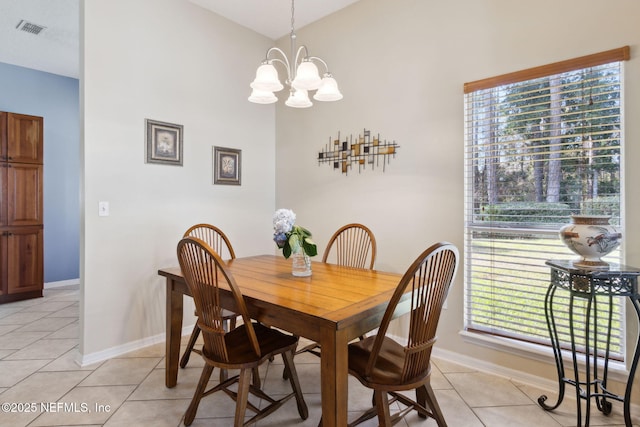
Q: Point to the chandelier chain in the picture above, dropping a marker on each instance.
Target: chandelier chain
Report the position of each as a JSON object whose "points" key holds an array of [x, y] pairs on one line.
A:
{"points": [[292, 18]]}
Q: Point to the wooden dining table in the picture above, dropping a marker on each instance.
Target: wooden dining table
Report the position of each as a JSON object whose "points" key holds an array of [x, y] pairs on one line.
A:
{"points": [[333, 306]]}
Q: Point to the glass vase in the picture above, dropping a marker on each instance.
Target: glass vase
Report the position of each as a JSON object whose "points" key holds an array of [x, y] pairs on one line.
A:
{"points": [[300, 264]]}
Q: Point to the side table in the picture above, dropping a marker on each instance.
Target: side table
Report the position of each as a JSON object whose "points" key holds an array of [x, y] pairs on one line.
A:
{"points": [[586, 289]]}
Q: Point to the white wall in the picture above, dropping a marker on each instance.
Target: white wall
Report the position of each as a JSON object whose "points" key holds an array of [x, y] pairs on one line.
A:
{"points": [[401, 66], [172, 61]]}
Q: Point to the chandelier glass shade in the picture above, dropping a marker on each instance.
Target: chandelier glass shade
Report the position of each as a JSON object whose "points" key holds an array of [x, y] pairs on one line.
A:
{"points": [[302, 76]]}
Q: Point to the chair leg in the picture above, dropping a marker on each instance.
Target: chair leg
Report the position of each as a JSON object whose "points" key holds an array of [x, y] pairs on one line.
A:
{"points": [[256, 378], [382, 406], [230, 325], [243, 396], [290, 367], [223, 375], [200, 389], [285, 371], [421, 398], [227, 325], [426, 395], [192, 342]]}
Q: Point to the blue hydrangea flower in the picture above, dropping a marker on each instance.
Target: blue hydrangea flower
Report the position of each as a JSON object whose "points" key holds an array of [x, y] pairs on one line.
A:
{"points": [[290, 237]]}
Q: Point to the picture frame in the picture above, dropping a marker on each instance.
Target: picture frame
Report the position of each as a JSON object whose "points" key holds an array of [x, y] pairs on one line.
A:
{"points": [[227, 166], [163, 142]]}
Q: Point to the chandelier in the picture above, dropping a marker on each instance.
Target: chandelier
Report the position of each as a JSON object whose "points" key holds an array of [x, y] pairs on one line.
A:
{"points": [[302, 76]]}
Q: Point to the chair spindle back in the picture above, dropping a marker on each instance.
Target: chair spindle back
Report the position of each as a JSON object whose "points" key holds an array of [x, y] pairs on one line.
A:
{"points": [[428, 279], [205, 272], [353, 245], [214, 237]]}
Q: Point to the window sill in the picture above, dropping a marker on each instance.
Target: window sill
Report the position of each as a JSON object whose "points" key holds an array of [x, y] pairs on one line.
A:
{"points": [[617, 370]]}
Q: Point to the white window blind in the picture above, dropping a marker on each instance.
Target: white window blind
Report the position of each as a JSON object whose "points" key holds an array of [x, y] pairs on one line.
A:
{"points": [[540, 145]]}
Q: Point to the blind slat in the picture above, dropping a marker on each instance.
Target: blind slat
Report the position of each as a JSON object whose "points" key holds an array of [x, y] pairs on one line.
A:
{"points": [[552, 127]]}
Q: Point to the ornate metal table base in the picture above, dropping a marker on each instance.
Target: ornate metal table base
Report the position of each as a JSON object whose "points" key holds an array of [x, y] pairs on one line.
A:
{"points": [[588, 290]]}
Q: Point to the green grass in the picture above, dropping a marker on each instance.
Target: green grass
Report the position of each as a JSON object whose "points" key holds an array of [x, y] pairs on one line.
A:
{"points": [[507, 284]]}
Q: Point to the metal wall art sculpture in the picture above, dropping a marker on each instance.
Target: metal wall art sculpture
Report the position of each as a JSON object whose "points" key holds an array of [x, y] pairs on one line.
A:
{"points": [[364, 150]]}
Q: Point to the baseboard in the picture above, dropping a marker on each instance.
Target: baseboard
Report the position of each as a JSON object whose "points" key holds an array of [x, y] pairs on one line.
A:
{"points": [[101, 356], [493, 369], [546, 385], [60, 283]]}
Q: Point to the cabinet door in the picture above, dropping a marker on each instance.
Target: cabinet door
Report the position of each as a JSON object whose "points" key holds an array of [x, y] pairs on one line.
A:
{"points": [[24, 138], [24, 259], [3, 135], [24, 194], [3, 264], [3, 193]]}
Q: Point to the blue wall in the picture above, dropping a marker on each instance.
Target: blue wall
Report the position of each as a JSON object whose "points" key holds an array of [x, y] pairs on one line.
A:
{"points": [[56, 98]]}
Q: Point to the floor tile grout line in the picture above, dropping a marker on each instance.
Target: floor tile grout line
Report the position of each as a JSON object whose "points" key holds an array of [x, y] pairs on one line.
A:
{"points": [[32, 308]]}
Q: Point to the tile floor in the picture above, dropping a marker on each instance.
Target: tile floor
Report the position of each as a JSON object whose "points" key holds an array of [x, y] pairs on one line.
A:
{"points": [[37, 345]]}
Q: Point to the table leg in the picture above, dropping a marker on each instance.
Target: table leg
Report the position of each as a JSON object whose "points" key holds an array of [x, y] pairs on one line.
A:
{"points": [[602, 403], [557, 354], [334, 373], [174, 333], [632, 371], [589, 384]]}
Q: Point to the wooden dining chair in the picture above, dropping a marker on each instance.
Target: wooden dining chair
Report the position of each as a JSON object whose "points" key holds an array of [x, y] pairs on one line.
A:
{"points": [[220, 243], [387, 367], [353, 245], [243, 348]]}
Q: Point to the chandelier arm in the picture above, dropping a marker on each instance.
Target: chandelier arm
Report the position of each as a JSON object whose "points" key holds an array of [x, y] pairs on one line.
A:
{"points": [[276, 50], [286, 65], [320, 60], [298, 59], [284, 60]]}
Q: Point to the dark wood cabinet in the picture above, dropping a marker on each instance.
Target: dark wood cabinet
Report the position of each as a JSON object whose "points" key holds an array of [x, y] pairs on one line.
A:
{"points": [[21, 212]]}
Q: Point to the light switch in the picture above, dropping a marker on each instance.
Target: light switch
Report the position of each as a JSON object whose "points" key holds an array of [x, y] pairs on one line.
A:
{"points": [[103, 208]]}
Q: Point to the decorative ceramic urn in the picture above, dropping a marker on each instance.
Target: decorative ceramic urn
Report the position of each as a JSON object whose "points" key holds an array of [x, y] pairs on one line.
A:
{"points": [[591, 237]]}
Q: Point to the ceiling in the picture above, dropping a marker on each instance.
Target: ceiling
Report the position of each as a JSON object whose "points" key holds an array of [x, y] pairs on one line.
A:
{"points": [[56, 48], [272, 18]]}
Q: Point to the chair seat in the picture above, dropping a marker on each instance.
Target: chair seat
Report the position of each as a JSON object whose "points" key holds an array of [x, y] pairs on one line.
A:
{"points": [[239, 349], [226, 314], [389, 366]]}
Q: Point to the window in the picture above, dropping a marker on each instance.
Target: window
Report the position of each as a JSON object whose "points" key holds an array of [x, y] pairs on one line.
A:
{"points": [[540, 145]]}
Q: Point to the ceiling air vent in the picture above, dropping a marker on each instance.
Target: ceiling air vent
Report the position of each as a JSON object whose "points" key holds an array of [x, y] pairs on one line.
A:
{"points": [[29, 27]]}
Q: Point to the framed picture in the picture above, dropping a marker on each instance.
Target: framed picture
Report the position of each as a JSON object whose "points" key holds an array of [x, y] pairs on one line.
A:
{"points": [[227, 166], [163, 143]]}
